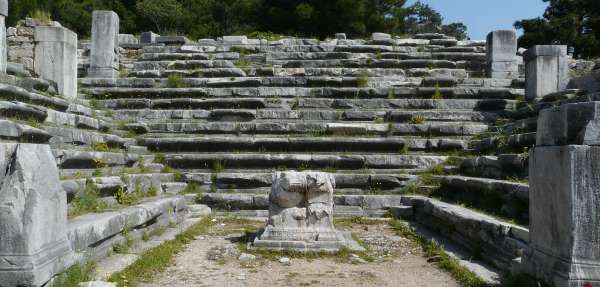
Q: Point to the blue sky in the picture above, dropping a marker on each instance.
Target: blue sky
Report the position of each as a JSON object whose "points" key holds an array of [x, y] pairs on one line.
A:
{"points": [[483, 16]]}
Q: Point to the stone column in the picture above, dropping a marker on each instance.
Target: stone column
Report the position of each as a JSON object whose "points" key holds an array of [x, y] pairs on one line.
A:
{"points": [[33, 216], [56, 58], [3, 45], [104, 53], [501, 50], [564, 200], [547, 70]]}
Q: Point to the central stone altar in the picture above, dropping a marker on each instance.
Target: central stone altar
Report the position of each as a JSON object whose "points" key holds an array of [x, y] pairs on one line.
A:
{"points": [[301, 215]]}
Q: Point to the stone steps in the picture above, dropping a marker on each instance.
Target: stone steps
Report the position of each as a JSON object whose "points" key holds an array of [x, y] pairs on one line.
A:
{"points": [[308, 144], [508, 199], [93, 235], [355, 205], [78, 159], [19, 132], [395, 82], [503, 166], [495, 241], [256, 90], [321, 129], [389, 115], [490, 105], [301, 160], [345, 180], [277, 71]]}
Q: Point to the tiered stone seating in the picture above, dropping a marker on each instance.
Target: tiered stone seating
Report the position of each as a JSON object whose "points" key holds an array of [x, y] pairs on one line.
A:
{"points": [[226, 116]]}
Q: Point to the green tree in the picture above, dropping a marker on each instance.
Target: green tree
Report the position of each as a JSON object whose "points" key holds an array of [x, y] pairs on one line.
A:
{"points": [[422, 18], [164, 14], [568, 22]]}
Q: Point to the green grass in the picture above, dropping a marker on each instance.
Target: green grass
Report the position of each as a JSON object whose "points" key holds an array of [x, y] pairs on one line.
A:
{"points": [[218, 167], [152, 190], [87, 201], [175, 81], [76, 274], [363, 80], [158, 259], [122, 248], [461, 274], [437, 94], [159, 158]]}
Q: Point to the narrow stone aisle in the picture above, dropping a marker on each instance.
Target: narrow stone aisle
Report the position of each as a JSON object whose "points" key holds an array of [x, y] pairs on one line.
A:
{"points": [[215, 260]]}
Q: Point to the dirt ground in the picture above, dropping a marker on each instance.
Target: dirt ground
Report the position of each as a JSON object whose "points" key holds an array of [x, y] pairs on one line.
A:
{"points": [[390, 261]]}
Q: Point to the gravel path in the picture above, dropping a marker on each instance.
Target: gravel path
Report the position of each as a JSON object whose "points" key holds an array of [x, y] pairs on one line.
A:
{"points": [[398, 262]]}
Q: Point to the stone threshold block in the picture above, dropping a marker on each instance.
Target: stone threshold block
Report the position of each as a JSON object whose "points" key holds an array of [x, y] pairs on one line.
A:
{"points": [[564, 221], [301, 215], [33, 216]]}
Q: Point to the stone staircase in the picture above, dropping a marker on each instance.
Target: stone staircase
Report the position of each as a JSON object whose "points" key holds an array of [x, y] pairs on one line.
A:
{"points": [[225, 116]]}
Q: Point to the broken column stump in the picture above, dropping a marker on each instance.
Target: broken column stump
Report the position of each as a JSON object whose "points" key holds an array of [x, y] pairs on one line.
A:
{"points": [[301, 215]]}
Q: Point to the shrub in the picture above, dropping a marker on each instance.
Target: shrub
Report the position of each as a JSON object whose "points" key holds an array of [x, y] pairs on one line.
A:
{"points": [[417, 120], [41, 17], [87, 200], [129, 198], [100, 147], [265, 35]]}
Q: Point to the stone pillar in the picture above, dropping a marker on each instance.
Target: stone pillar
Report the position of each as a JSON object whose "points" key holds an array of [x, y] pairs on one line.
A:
{"points": [[104, 51], [33, 216], [501, 51], [3, 45], [564, 200], [56, 58], [547, 70]]}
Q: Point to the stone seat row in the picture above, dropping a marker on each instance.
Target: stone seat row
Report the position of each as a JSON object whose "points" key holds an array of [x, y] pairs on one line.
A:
{"points": [[317, 129], [299, 93], [244, 115], [171, 143], [182, 103], [392, 83]]}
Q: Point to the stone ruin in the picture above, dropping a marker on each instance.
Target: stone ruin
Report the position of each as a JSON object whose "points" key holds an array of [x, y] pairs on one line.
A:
{"points": [[161, 116], [301, 215]]}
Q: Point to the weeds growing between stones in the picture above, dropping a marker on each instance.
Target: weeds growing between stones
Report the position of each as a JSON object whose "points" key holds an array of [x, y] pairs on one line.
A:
{"points": [[158, 259], [464, 276]]}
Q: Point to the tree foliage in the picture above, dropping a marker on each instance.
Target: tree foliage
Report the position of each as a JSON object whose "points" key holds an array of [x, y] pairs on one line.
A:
{"points": [[567, 22], [165, 14], [212, 18]]}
